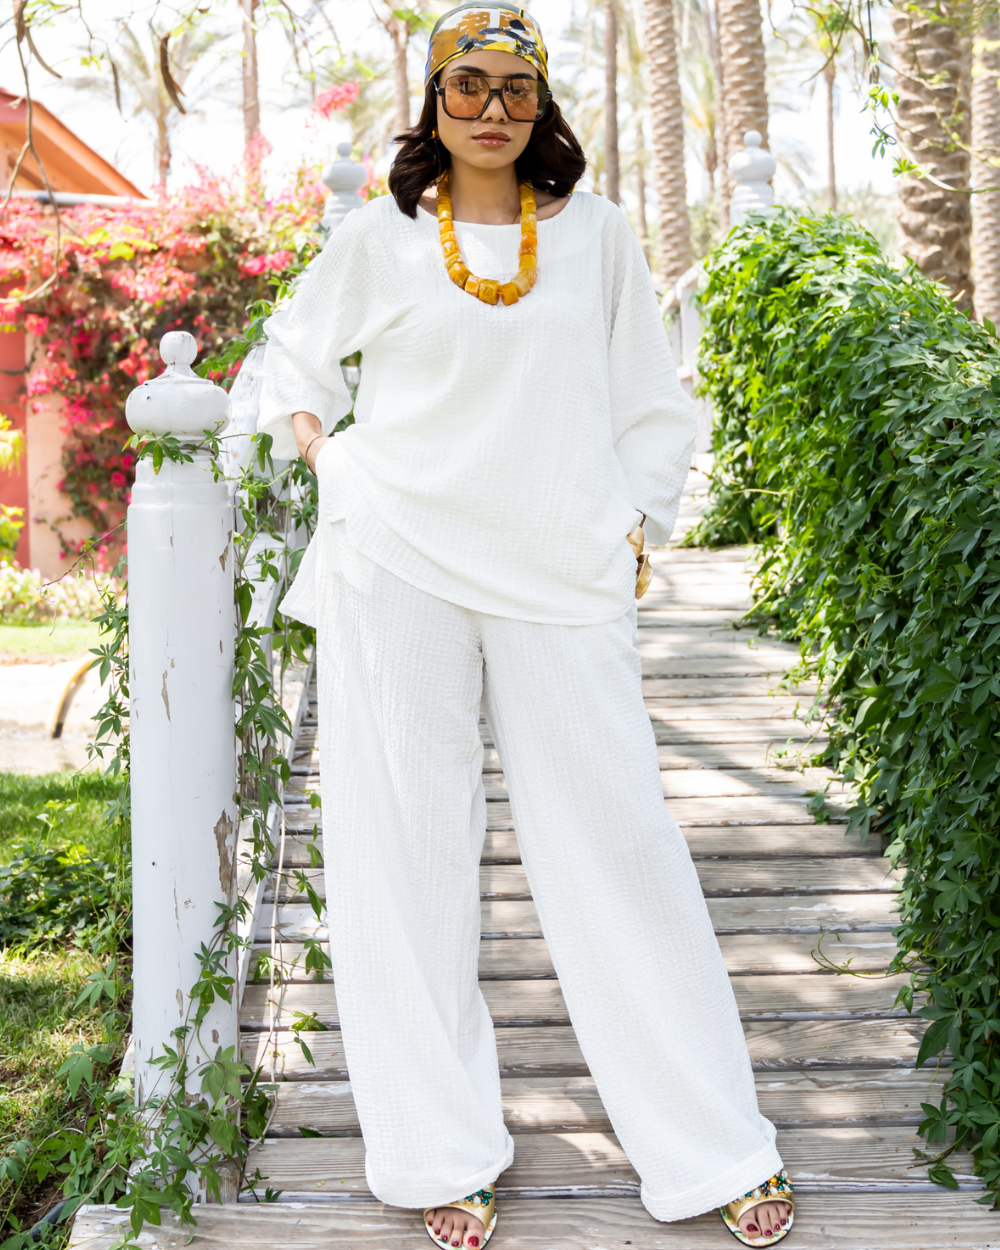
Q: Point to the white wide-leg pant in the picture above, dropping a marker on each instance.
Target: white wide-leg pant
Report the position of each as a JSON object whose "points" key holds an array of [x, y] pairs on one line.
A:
{"points": [[402, 677]]}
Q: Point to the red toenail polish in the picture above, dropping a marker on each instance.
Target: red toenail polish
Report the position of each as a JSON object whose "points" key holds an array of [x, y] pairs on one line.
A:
{"points": [[473, 1241]]}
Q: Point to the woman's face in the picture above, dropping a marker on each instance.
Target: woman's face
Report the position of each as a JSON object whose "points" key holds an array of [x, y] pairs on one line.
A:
{"points": [[492, 141]]}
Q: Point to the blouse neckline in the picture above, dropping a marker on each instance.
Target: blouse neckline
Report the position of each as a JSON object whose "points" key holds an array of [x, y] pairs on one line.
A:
{"points": [[510, 225]]}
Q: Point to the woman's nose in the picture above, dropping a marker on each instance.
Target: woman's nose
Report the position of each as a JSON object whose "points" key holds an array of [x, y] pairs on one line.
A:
{"points": [[495, 111]]}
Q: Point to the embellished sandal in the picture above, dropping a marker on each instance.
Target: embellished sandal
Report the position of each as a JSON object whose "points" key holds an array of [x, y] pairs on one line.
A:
{"points": [[481, 1204], [775, 1189]]}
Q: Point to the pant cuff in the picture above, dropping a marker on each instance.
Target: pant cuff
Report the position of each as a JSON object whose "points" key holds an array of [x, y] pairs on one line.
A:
{"points": [[420, 1194], [717, 1191]]}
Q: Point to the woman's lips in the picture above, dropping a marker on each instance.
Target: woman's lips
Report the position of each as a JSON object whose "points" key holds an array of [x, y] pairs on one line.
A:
{"points": [[491, 139]]}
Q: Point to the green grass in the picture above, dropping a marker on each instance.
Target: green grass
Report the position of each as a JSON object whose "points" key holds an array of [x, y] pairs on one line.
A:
{"points": [[66, 638], [38, 1024], [39, 1019], [56, 809]]}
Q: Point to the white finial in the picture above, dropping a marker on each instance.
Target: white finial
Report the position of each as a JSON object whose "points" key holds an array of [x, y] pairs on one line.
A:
{"points": [[177, 402], [178, 350], [345, 178], [752, 168]]}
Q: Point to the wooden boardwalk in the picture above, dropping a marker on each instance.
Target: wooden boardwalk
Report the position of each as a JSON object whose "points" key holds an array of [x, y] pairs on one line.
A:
{"points": [[833, 1056]]}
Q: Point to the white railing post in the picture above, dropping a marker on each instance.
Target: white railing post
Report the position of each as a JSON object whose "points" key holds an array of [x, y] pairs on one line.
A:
{"points": [[181, 644], [345, 178], [753, 168]]}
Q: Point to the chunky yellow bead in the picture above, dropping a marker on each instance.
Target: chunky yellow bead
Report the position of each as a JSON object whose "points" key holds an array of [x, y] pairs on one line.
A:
{"points": [[489, 290]]}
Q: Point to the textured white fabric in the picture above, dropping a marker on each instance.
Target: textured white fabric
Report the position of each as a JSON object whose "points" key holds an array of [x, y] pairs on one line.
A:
{"points": [[401, 678], [500, 453]]}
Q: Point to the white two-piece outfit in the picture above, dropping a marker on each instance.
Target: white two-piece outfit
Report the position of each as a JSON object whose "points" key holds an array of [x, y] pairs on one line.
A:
{"points": [[470, 552]]}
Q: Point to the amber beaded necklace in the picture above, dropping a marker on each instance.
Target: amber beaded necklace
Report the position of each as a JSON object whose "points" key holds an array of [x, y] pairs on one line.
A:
{"points": [[489, 290]]}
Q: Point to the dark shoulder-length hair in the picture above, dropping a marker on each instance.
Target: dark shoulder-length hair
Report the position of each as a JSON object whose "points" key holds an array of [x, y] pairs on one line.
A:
{"points": [[553, 161]]}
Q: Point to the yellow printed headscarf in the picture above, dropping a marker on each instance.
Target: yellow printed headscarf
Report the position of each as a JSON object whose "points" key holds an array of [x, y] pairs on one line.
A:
{"points": [[486, 28]]}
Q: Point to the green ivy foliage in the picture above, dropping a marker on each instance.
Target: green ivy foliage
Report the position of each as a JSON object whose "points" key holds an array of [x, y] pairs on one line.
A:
{"points": [[858, 441]]}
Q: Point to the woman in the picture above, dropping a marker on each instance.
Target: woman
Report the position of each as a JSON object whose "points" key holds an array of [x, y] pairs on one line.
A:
{"points": [[473, 549]]}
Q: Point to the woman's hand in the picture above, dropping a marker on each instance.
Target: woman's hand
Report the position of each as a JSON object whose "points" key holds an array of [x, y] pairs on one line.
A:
{"points": [[309, 437]]}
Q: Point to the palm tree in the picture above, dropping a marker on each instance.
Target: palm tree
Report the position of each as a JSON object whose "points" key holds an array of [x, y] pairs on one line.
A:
{"points": [[666, 112], [251, 90], [986, 165], [142, 79], [743, 71], [932, 128], [611, 171]]}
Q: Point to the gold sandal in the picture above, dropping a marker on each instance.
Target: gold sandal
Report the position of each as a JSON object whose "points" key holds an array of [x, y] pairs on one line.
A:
{"points": [[481, 1204], [775, 1189]]}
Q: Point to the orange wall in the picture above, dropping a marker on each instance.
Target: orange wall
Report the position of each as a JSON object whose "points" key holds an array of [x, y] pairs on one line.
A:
{"points": [[14, 486]]}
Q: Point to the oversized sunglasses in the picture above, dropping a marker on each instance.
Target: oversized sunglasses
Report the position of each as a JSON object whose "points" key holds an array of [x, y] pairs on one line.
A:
{"points": [[466, 97]]}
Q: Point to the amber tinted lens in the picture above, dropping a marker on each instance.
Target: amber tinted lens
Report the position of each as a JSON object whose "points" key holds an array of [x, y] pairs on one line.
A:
{"points": [[522, 97], [465, 95]]}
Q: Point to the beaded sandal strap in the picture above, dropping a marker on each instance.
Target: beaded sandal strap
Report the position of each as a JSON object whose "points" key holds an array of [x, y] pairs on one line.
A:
{"points": [[776, 1188], [481, 1204]]}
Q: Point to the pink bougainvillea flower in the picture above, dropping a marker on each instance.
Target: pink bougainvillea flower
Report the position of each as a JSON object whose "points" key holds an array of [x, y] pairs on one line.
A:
{"points": [[336, 98], [35, 324]]}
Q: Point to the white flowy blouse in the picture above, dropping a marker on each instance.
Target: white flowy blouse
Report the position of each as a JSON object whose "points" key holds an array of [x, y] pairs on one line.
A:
{"points": [[499, 454]]}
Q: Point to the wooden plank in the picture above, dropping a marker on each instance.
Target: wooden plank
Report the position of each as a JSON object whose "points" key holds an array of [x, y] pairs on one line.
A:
{"points": [[777, 732], [714, 720], [844, 1220], [572, 1104], [726, 756], [811, 996], [704, 842], [681, 783], [772, 877], [746, 810], [744, 953], [775, 1045], [833, 913], [770, 809], [818, 1160], [776, 707]]}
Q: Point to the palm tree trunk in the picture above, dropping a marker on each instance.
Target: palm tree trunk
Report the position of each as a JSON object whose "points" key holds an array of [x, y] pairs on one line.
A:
{"points": [[611, 170], [935, 222], [666, 113], [830, 74], [986, 167], [251, 93], [744, 73], [720, 167], [163, 153], [399, 31]]}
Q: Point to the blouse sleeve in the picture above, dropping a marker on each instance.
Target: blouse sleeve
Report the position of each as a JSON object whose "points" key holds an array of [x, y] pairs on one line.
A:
{"points": [[330, 315], [653, 420]]}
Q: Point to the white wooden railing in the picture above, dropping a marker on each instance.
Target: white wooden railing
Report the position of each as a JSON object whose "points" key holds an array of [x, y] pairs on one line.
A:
{"points": [[188, 853]]}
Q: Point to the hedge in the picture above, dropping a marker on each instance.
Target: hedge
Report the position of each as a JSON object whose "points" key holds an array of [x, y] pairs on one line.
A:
{"points": [[858, 442]]}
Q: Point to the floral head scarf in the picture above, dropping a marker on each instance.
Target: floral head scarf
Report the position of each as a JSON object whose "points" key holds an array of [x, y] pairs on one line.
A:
{"points": [[486, 28]]}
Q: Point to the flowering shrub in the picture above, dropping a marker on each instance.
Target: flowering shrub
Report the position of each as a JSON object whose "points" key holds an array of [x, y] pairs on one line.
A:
{"points": [[25, 599], [336, 98], [192, 259]]}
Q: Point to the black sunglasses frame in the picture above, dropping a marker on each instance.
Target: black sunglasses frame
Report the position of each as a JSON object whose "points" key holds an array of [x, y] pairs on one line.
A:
{"points": [[545, 100]]}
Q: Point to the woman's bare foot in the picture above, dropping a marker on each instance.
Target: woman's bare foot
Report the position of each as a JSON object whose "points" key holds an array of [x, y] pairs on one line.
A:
{"points": [[765, 1219], [458, 1228]]}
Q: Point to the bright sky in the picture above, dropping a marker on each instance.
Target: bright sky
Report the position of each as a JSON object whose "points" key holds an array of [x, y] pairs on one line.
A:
{"points": [[215, 137]]}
